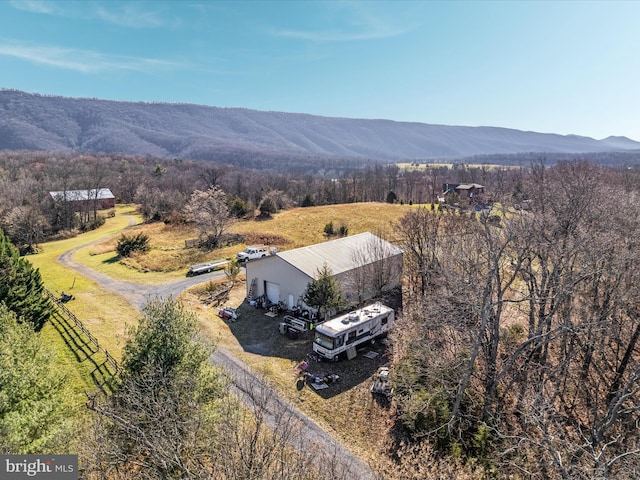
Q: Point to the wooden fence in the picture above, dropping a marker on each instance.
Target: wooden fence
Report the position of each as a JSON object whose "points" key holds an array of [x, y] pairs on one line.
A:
{"points": [[69, 314]]}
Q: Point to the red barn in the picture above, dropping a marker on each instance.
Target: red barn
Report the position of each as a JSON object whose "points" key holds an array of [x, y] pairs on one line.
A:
{"points": [[102, 198]]}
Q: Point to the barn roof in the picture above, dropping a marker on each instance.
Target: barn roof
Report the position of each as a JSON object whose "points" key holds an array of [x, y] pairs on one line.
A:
{"points": [[80, 195], [469, 186], [338, 254]]}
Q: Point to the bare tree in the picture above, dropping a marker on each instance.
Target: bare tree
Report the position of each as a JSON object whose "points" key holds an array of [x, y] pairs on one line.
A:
{"points": [[209, 211], [212, 173], [267, 440], [420, 233], [530, 330], [377, 268]]}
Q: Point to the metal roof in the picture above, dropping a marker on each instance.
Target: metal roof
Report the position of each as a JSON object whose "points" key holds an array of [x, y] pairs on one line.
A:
{"points": [[338, 254], [79, 195]]}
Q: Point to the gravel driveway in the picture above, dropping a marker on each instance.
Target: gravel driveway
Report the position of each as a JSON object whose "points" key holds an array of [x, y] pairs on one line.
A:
{"points": [[244, 379]]}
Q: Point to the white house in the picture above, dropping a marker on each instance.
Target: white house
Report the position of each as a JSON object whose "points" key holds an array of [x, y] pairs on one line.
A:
{"points": [[364, 265]]}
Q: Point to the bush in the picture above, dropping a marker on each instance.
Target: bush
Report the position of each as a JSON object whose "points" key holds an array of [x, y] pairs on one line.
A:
{"points": [[427, 413], [237, 207], [308, 201], [130, 244], [267, 207], [328, 229], [343, 231]]}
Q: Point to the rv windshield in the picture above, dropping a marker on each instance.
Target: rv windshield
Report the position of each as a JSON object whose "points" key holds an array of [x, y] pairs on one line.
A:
{"points": [[324, 340]]}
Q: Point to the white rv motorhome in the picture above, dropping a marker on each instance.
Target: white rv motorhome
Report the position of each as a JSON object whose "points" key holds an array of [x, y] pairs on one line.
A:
{"points": [[347, 331]]}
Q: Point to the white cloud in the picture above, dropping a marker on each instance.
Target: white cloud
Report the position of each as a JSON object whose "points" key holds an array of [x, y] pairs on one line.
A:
{"points": [[359, 23], [129, 15], [35, 6], [82, 60], [123, 14]]}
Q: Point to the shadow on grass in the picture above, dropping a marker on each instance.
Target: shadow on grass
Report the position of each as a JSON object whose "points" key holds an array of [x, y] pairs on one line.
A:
{"points": [[84, 350], [111, 260]]}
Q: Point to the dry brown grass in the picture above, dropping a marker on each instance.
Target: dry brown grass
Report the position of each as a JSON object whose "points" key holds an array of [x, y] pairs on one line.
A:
{"points": [[305, 226], [168, 258]]}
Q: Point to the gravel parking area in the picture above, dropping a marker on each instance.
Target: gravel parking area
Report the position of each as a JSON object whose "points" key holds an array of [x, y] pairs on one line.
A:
{"points": [[258, 334]]}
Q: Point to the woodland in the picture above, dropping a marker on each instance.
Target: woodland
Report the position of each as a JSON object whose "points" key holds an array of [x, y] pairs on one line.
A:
{"points": [[515, 354]]}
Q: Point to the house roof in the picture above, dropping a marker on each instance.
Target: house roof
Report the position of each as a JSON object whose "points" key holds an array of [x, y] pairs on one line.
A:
{"points": [[338, 254], [80, 195], [468, 186]]}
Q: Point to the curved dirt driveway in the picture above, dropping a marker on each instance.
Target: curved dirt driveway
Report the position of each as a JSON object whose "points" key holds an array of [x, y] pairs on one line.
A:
{"points": [[245, 381]]}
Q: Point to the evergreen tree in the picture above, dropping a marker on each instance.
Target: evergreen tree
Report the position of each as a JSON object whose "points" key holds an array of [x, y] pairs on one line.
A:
{"points": [[267, 207], [22, 289], [160, 419], [32, 394], [324, 292], [392, 197], [307, 201]]}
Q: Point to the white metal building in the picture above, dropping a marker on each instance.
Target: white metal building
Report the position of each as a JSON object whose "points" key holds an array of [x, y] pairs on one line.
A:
{"points": [[363, 264]]}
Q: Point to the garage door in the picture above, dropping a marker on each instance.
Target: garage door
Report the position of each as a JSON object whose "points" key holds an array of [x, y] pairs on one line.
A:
{"points": [[273, 292]]}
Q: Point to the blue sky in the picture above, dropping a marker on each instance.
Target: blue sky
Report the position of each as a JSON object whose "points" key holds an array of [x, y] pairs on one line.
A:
{"points": [[561, 67]]}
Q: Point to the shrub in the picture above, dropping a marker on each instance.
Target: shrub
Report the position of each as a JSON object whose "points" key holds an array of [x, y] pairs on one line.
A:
{"points": [[308, 201], [93, 224], [328, 229], [343, 231], [267, 207], [130, 244], [237, 207]]}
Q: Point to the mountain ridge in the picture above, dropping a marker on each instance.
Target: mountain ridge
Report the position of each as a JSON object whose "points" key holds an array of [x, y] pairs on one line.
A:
{"points": [[31, 121]]}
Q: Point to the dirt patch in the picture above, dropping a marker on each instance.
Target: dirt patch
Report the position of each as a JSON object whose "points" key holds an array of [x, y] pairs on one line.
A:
{"points": [[254, 238]]}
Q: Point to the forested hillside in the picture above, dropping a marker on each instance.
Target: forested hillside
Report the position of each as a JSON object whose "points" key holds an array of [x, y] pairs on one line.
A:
{"points": [[250, 138]]}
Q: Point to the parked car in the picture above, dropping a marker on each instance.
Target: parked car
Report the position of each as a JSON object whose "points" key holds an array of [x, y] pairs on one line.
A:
{"points": [[228, 313]]}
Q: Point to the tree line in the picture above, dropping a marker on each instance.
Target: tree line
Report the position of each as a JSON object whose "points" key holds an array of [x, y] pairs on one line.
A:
{"points": [[163, 187]]}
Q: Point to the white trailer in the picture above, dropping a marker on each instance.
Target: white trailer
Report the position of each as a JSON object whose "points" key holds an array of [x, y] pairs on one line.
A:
{"points": [[338, 336], [206, 267]]}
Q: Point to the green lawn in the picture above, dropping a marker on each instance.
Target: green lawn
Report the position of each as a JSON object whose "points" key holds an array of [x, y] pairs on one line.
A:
{"points": [[104, 314]]}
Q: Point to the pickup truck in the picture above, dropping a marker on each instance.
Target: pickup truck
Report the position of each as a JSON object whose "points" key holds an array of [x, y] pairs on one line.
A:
{"points": [[253, 252]]}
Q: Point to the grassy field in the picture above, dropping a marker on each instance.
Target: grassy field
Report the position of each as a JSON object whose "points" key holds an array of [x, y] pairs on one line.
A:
{"points": [[103, 314], [169, 259], [346, 408], [107, 315], [422, 166]]}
